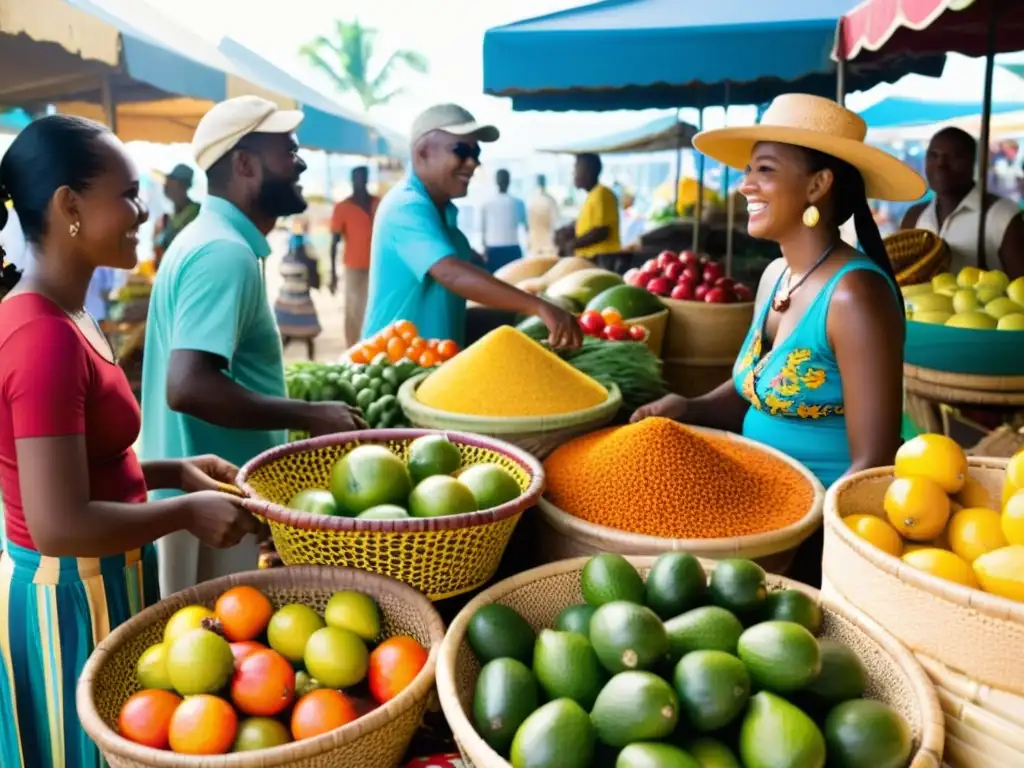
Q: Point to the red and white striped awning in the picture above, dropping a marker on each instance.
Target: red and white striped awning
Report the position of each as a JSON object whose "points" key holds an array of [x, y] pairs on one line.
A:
{"points": [[878, 29]]}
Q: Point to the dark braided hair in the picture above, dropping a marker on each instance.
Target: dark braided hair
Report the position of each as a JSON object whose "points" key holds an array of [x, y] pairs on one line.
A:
{"points": [[849, 199], [52, 152]]}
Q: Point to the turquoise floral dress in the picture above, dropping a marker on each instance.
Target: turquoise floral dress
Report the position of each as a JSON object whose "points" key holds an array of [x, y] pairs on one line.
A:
{"points": [[795, 390]]}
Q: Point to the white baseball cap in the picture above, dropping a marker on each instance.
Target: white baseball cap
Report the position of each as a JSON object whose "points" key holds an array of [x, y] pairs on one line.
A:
{"points": [[229, 121], [453, 119]]}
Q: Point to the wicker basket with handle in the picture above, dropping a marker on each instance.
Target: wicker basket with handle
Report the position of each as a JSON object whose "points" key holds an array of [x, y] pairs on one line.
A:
{"points": [[541, 594], [439, 556], [376, 740]]}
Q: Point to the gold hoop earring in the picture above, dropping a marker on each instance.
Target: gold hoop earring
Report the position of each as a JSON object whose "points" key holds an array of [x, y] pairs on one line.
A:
{"points": [[74, 228], [811, 216]]}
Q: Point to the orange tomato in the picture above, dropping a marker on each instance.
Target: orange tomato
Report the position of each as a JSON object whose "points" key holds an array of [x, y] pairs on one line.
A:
{"points": [[428, 358], [396, 349], [611, 316], [433, 343], [264, 684], [447, 349], [418, 344], [374, 347], [146, 718], [203, 725], [394, 664], [387, 334], [244, 613], [406, 328], [358, 356], [321, 711], [242, 649]]}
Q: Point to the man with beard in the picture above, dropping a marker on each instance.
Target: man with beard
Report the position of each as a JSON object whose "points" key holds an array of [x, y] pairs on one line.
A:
{"points": [[420, 266], [954, 212], [213, 372]]}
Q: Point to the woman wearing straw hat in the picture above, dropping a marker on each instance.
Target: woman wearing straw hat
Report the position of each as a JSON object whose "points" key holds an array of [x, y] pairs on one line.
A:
{"points": [[820, 374]]}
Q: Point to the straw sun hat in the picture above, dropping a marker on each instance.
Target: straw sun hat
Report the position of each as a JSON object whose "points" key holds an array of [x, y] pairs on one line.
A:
{"points": [[821, 124]]}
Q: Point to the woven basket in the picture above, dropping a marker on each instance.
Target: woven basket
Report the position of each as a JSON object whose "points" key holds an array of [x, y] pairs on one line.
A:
{"points": [[967, 630], [917, 255], [441, 556], [539, 595], [538, 435], [376, 740], [564, 536]]}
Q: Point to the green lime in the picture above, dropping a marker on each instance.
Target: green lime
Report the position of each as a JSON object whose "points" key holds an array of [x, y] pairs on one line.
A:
{"points": [[739, 586], [260, 733], [781, 656], [433, 455], [676, 584], [575, 618], [440, 496], [651, 754], [628, 636], [492, 485], [199, 662], [290, 628], [608, 577], [336, 657], [713, 688], [505, 695], [867, 734], [635, 706], [497, 631], [354, 611], [151, 669], [776, 734], [384, 512], [316, 501], [368, 476], [842, 676], [793, 605], [711, 753], [567, 667], [708, 628], [558, 735]]}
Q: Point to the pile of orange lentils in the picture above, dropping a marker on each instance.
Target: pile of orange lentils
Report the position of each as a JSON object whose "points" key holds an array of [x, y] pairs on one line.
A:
{"points": [[402, 341], [660, 478]]}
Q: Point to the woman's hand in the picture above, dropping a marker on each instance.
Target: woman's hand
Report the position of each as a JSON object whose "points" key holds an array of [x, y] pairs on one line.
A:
{"points": [[206, 473], [218, 519], [669, 407]]}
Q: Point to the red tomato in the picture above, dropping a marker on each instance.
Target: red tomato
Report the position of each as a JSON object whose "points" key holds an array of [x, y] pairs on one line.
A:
{"points": [[743, 293], [264, 684], [146, 718], [660, 286], [674, 270], [611, 316], [683, 292], [617, 333], [718, 296], [637, 333], [243, 648], [701, 291], [321, 711], [665, 258], [712, 272], [591, 322], [394, 664], [650, 267], [691, 274], [688, 257]]}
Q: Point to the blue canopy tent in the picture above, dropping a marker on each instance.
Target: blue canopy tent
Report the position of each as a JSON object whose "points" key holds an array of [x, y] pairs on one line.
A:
{"points": [[663, 133], [894, 111], [641, 54], [122, 62]]}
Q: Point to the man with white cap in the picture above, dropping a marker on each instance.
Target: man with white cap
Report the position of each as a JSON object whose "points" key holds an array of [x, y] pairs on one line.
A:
{"points": [[420, 266], [213, 372]]}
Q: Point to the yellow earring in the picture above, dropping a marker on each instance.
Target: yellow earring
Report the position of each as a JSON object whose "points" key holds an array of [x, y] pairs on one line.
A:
{"points": [[811, 216], [74, 229]]}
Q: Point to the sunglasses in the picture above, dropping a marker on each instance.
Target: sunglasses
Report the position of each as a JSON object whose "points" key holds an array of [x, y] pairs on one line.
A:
{"points": [[465, 152]]}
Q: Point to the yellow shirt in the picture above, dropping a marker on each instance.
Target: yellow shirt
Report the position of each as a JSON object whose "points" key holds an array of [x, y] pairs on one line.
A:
{"points": [[600, 209]]}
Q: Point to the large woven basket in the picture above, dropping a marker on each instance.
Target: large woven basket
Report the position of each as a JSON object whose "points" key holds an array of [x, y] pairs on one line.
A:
{"points": [[376, 740], [538, 435], [539, 595], [441, 556], [969, 631], [564, 536], [971, 643], [917, 255]]}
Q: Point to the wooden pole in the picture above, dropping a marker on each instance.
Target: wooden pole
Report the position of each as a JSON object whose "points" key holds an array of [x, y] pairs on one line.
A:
{"points": [[730, 215], [109, 104], [986, 130]]}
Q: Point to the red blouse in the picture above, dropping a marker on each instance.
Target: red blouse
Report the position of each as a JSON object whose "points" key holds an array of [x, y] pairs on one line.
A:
{"points": [[52, 384]]}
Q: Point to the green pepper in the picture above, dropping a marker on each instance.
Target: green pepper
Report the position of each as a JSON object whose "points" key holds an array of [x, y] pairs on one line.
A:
{"points": [[374, 371], [365, 398], [360, 382], [388, 401], [347, 392], [373, 413]]}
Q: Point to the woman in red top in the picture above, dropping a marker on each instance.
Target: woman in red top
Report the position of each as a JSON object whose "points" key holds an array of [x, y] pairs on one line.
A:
{"points": [[78, 560]]}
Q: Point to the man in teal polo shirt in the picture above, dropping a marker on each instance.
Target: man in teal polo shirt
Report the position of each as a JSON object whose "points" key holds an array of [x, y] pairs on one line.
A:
{"points": [[213, 372], [420, 266]]}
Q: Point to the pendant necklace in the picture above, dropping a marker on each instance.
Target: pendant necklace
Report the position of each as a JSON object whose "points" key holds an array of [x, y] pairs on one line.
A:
{"points": [[781, 303]]}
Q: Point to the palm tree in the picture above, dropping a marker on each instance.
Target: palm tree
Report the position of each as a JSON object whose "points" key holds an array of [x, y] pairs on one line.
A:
{"points": [[345, 58]]}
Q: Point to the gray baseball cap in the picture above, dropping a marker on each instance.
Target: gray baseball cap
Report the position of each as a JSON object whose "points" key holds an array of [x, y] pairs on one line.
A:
{"points": [[453, 119]]}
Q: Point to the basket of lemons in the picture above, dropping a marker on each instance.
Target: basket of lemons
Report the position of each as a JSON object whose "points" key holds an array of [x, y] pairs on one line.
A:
{"points": [[933, 549], [673, 661], [432, 509]]}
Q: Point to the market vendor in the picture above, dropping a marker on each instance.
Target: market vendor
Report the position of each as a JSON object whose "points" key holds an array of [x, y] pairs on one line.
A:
{"points": [[79, 559], [213, 372], [595, 233], [177, 184], [420, 264], [820, 374], [954, 213]]}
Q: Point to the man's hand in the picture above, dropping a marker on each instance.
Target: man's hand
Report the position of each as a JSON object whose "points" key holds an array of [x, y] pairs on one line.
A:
{"points": [[206, 473], [563, 327], [331, 418]]}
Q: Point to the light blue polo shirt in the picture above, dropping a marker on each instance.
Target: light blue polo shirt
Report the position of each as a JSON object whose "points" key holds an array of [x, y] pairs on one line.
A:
{"points": [[209, 296], [410, 235]]}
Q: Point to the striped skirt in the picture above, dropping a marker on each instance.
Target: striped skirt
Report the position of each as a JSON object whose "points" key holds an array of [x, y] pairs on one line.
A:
{"points": [[53, 612]]}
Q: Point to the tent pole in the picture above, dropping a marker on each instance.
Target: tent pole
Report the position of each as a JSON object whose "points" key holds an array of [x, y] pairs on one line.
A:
{"points": [[698, 207], [986, 129], [730, 215], [109, 104], [840, 66], [679, 162]]}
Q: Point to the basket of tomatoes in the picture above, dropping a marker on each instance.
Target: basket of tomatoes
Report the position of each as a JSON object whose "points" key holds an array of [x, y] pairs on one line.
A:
{"points": [[306, 666], [401, 341], [610, 325]]}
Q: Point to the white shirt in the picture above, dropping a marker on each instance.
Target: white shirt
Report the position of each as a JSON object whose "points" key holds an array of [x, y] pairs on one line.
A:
{"points": [[500, 218], [960, 229], [16, 248], [542, 218]]}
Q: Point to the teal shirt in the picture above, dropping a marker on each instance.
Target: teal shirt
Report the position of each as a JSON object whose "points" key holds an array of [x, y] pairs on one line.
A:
{"points": [[410, 235], [795, 390], [209, 296]]}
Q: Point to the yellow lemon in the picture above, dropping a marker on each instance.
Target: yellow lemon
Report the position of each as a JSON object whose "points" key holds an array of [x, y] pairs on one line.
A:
{"points": [[1001, 572], [877, 531], [1015, 471], [913, 546], [917, 507], [1009, 489], [945, 565], [973, 532], [935, 457], [1013, 519], [973, 494], [185, 620]]}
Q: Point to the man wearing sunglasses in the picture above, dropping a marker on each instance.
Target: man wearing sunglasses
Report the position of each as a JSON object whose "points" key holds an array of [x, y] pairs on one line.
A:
{"points": [[420, 263]]}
